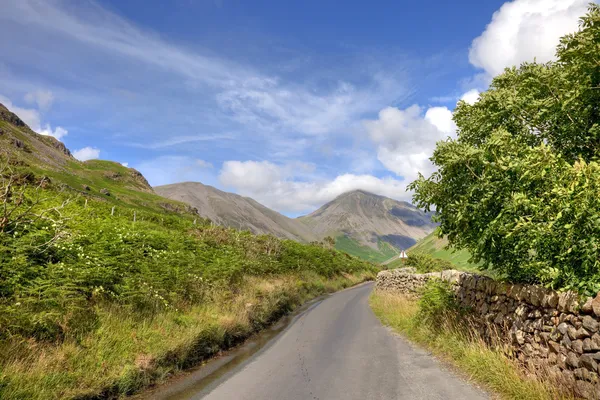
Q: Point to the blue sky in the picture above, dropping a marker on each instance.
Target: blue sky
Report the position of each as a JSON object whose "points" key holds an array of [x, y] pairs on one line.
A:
{"points": [[291, 103]]}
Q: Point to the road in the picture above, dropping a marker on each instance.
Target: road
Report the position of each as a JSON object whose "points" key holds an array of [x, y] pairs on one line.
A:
{"points": [[338, 349]]}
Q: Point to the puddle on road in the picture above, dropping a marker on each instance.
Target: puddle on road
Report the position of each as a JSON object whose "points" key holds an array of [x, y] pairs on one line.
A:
{"points": [[198, 382]]}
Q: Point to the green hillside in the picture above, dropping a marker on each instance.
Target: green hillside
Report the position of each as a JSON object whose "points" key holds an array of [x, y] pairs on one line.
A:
{"points": [[106, 288], [436, 247], [348, 245]]}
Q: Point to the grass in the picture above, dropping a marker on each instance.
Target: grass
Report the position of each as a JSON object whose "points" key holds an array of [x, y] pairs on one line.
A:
{"points": [[457, 344], [348, 245], [127, 354]]}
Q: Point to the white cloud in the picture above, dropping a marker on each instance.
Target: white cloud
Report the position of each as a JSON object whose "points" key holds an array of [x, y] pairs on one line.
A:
{"points": [[406, 138], [33, 119], [522, 30], [471, 96], [203, 164], [280, 188], [87, 153], [263, 102], [125, 164], [43, 98], [58, 133]]}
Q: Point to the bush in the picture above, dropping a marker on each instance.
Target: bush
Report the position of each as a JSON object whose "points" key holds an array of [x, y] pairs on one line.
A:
{"points": [[438, 301], [424, 263]]}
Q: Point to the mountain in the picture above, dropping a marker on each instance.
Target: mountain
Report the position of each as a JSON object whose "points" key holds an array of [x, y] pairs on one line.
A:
{"points": [[369, 225], [27, 152], [236, 211]]}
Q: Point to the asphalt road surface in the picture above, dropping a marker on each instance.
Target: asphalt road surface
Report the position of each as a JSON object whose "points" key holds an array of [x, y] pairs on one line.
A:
{"points": [[338, 349]]}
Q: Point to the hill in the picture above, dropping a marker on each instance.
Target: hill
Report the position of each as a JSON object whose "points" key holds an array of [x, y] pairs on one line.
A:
{"points": [[31, 153], [368, 225], [436, 247], [106, 287], [235, 211]]}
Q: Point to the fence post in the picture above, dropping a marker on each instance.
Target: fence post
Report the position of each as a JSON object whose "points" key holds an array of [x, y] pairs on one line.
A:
{"points": [[134, 216], [112, 212]]}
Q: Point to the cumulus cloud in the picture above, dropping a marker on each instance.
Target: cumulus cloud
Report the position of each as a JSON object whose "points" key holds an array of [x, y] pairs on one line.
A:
{"points": [[87, 153], [43, 98], [281, 186], [406, 138], [32, 118], [471, 96], [522, 30]]}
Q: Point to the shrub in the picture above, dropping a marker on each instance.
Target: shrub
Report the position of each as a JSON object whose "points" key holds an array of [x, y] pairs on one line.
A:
{"points": [[425, 263], [438, 301]]}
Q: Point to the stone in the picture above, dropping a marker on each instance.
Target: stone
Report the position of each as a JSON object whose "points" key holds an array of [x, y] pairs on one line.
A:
{"points": [[562, 328], [590, 324], [595, 345], [596, 305], [554, 347], [572, 332], [572, 360], [587, 308], [536, 295], [555, 335], [550, 300], [567, 302], [577, 346], [105, 192], [85, 187], [582, 333], [587, 344], [588, 362], [566, 341], [518, 337]]}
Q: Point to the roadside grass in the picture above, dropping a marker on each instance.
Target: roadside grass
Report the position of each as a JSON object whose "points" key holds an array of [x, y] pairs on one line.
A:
{"points": [[460, 345], [128, 352]]}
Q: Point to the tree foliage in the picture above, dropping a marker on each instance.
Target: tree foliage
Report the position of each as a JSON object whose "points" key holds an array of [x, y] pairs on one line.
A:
{"points": [[519, 185]]}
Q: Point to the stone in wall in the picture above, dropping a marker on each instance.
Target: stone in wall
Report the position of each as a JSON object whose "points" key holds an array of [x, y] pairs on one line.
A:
{"points": [[558, 330]]}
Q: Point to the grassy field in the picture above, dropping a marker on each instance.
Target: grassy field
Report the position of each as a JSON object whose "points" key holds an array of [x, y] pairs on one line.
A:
{"points": [[460, 346], [436, 247], [348, 245]]}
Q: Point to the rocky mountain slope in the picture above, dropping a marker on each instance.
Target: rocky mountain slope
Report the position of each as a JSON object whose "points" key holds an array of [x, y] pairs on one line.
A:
{"points": [[370, 223], [236, 211]]}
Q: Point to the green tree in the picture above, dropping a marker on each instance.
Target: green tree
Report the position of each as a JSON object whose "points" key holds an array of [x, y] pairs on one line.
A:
{"points": [[519, 186]]}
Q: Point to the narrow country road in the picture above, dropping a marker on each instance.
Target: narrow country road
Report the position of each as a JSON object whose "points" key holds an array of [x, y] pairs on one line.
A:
{"points": [[338, 349]]}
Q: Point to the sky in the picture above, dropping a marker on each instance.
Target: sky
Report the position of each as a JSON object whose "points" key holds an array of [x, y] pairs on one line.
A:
{"points": [[289, 102]]}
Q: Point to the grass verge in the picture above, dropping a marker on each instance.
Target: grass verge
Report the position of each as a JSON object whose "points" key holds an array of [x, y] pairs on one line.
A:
{"points": [[456, 343], [128, 354]]}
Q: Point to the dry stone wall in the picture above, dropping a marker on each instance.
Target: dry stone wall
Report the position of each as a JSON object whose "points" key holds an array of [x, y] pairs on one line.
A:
{"points": [[547, 329]]}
